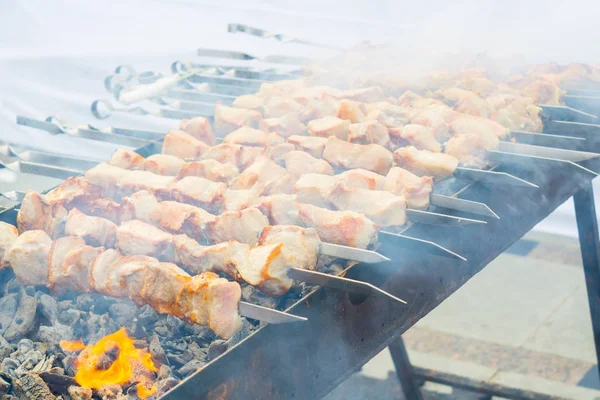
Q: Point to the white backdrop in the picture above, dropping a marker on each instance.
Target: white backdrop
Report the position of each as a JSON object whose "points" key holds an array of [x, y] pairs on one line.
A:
{"points": [[55, 55]]}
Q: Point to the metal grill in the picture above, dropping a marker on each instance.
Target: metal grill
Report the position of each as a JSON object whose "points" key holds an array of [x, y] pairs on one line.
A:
{"points": [[477, 215]]}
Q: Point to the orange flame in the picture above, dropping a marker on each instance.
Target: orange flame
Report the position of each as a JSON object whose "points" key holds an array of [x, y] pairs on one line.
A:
{"points": [[92, 374], [143, 391], [72, 345]]}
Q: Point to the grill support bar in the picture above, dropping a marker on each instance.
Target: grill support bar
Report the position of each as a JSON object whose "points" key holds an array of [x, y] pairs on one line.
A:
{"points": [[587, 227], [589, 242]]}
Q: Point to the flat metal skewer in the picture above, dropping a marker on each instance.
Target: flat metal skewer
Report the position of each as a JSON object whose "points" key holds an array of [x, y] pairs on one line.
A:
{"points": [[269, 315], [237, 55], [473, 207], [352, 253], [336, 282], [234, 28], [493, 177], [432, 218]]}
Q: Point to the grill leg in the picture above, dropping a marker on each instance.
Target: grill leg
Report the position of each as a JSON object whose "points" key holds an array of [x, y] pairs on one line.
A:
{"points": [[587, 226], [404, 370]]}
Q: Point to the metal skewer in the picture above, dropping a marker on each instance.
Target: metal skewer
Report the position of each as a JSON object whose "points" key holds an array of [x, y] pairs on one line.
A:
{"points": [[269, 315], [352, 253], [234, 28], [336, 282], [237, 55], [473, 207]]}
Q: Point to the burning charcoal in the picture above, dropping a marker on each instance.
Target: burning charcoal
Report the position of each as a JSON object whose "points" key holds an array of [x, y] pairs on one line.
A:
{"points": [[79, 393], [174, 324], [14, 286], [24, 319], [246, 329], [25, 346], [5, 348], [162, 329], [190, 368], [47, 307], [85, 302], [57, 381], [122, 312], [200, 333], [196, 352], [103, 303], [110, 392], [175, 346], [253, 295], [217, 348], [147, 315], [8, 308], [140, 343], [4, 387], [31, 386], [163, 372], [69, 316], [100, 326], [108, 358], [33, 358], [54, 334], [69, 364], [9, 366], [44, 365], [166, 385], [176, 360], [158, 353], [65, 305]]}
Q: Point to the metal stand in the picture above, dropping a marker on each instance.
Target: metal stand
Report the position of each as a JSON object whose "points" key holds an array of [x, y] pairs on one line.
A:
{"points": [[587, 226]]}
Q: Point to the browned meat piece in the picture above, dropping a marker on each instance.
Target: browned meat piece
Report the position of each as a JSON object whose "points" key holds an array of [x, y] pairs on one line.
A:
{"points": [[228, 119], [178, 217], [35, 213], [259, 173], [461, 123], [315, 109], [106, 176], [28, 257], [236, 200], [469, 149], [366, 95], [210, 169], [420, 136], [416, 190], [329, 126], [383, 208], [369, 132], [280, 209], [360, 179], [425, 163], [346, 155], [134, 181], [278, 106], [300, 162], [162, 164], [142, 203], [243, 226], [68, 265], [203, 299], [543, 92], [310, 144], [250, 102], [183, 145], [284, 126], [199, 127], [283, 185], [8, 234], [225, 257], [139, 238], [351, 110], [345, 228], [277, 153], [199, 192], [314, 189], [115, 211], [474, 105], [238, 155], [96, 231], [73, 191], [252, 137], [300, 245], [126, 159]]}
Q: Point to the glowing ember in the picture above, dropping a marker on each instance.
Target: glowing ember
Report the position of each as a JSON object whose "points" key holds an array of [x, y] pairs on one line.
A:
{"points": [[112, 360], [143, 391]]}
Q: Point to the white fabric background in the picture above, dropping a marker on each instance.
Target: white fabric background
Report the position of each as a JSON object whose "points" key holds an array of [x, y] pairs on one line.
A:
{"points": [[54, 55]]}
